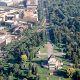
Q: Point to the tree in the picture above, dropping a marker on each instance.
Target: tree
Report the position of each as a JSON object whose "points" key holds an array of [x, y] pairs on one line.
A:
{"points": [[36, 70], [1, 77], [10, 77], [37, 77], [76, 75], [25, 3], [24, 79], [16, 68], [70, 71], [30, 66], [24, 57], [33, 69]]}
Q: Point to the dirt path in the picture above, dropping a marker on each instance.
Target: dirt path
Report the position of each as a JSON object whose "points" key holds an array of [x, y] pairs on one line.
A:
{"points": [[49, 49]]}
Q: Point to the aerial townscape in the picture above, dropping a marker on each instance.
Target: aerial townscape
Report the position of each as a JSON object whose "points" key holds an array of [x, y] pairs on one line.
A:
{"points": [[39, 39]]}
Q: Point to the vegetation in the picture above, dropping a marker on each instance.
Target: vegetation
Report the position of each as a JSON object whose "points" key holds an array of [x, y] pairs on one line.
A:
{"points": [[64, 31], [24, 57], [44, 72], [70, 72], [19, 56], [63, 18], [76, 75]]}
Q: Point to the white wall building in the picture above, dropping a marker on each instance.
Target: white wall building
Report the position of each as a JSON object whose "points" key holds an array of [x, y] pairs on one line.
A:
{"points": [[11, 2], [17, 1], [8, 2], [32, 3]]}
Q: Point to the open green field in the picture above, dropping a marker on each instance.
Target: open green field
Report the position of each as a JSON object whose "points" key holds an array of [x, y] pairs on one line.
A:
{"points": [[43, 49]]}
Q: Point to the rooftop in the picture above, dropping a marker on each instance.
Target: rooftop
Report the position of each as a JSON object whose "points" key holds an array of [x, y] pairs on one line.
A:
{"points": [[32, 2], [1, 40]]}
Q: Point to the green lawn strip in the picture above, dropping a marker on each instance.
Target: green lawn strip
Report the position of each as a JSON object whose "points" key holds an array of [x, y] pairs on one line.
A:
{"points": [[38, 59], [59, 49], [42, 70], [62, 59], [43, 49]]}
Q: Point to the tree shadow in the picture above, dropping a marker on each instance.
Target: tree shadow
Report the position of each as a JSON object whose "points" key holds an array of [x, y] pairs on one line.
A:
{"points": [[11, 61], [39, 62], [61, 73]]}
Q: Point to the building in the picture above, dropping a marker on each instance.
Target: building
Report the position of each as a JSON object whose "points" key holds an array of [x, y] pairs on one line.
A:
{"points": [[5, 37], [3, 31], [17, 1], [32, 4], [20, 27], [4, 13], [9, 2], [53, 64], [31, 15], [11, 18], [6, 2]]}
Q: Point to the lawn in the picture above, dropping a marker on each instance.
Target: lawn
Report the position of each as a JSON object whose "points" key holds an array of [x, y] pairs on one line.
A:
{"points": [[62, 59], [43, 49]]}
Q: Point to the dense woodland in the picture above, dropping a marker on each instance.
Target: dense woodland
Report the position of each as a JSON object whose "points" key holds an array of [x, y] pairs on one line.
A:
{"points": [[63, 17], [18, 63]]}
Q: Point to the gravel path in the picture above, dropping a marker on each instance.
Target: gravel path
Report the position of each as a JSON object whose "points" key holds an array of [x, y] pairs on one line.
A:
{"points": [[50, 50]]}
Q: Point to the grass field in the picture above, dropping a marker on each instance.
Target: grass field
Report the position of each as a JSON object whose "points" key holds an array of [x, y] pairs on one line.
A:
{"points": [[43, 49]]}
